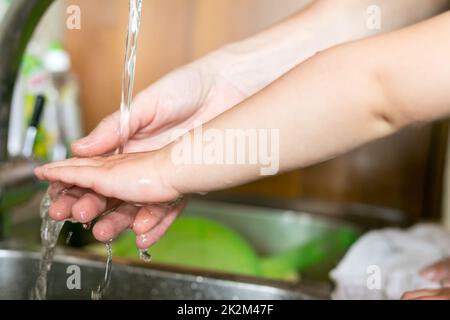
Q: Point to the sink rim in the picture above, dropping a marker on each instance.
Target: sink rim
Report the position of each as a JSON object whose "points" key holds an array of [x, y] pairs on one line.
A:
{"points": [[280, 288]]}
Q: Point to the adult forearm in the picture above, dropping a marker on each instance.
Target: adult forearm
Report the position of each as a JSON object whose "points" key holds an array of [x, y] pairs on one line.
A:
{"points": [[321, 108], [334, 102], [261, 59]]}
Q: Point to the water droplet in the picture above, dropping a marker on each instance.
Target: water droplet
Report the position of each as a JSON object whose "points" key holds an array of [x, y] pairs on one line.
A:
{"points": [[87, 226], [144, 255], [69, 236], [145, 181]]}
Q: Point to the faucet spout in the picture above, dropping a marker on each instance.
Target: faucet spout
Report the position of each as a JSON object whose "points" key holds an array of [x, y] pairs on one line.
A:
{"points": [[16, 30]]}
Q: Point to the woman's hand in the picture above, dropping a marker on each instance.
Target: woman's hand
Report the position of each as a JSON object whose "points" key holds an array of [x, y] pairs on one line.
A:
{"points": [[188, 96], [438, 272], [179, 101], [428, 294], [185, 97], [130, 187]]}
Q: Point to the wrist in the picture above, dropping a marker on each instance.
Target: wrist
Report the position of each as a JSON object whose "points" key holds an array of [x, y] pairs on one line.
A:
{"points": [[253, 63], [173, 173]]}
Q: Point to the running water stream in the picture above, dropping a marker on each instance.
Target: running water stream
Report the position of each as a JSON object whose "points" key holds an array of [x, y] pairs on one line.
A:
{"points": [[51, 229], [134, 25]]}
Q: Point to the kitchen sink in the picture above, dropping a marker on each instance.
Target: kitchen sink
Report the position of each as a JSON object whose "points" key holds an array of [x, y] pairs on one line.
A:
{"points": [[269, 231], [134, 280]]}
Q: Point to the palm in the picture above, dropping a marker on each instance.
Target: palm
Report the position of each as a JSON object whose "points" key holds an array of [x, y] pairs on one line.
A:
{"points": [[180, 100]]}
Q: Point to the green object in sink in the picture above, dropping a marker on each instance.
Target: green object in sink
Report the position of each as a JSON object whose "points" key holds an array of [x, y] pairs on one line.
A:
{"points": [[202, 243], [199, 243], [16, 197], [321, 250]]}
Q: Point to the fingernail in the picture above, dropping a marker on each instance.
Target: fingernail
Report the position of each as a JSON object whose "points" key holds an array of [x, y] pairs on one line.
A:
{"points": [[59, 215], [144, 239], [134, 226], [83, 216], [103, 236]]}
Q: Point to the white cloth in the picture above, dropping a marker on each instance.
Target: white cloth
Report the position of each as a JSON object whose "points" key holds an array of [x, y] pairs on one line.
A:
{"points": [[384, 264]]}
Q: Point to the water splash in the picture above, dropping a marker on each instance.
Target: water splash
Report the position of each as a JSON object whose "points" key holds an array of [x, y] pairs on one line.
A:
{"points": [[99, 292], [50, 230], [87, 226], [144, 255]]}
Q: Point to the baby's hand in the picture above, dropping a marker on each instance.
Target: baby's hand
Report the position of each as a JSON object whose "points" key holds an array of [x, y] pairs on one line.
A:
{"points": [[138, 178], [127, 185]]}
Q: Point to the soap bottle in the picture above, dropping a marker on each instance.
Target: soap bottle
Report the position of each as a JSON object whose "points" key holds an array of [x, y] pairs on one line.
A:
{"points": [[63, 94]]}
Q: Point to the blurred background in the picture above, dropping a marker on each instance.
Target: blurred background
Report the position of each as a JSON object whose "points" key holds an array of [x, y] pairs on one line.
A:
{"points": [[393, 182]]}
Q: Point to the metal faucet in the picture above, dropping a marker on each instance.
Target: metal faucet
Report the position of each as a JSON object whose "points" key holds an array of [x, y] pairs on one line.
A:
{"points": [[16, 30]]}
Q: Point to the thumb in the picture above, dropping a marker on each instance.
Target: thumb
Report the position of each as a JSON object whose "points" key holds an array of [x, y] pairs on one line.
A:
{"points": [[105, 138], [102, 140]]}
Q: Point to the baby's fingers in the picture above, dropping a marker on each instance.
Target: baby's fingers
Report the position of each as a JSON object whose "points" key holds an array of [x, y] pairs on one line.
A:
{"points": [[94, 178], [73, 162]]}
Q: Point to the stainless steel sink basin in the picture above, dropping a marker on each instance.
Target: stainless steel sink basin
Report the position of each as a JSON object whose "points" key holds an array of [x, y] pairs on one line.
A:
{"points": [[136, 281], [269, 231]]}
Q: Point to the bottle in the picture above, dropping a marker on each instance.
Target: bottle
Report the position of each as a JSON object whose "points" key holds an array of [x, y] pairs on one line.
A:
{"points": [[46, 72], [32, 81], [63, 94]]}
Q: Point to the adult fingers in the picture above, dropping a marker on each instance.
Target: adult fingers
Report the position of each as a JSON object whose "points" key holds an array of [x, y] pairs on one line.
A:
{"points": [[147, 218], [61, 208], [146, 240], [111, 225], [438, 271]]}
